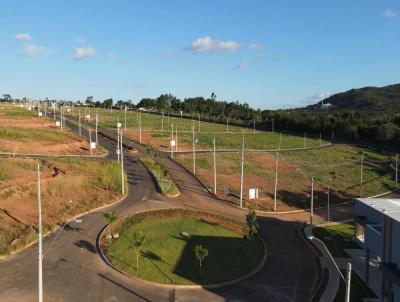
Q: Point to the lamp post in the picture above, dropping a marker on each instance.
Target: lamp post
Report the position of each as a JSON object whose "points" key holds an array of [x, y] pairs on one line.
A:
{"points": [[346, 280]]}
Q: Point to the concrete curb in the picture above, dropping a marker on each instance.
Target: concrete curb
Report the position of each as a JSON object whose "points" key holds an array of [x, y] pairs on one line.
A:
{"points": [[5, 257], [170, 286], [158, 185]]}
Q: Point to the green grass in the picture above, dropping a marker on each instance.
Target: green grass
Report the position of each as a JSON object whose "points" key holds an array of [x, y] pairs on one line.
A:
{"points": [[167, 257], [32, 135], [160, 173], [358, 290], [107, 174], [337, 238], [14, 112], [206, 132]]}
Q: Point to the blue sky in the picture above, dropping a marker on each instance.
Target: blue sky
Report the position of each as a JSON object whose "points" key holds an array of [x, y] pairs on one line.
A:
{"points": [[270, 54]]}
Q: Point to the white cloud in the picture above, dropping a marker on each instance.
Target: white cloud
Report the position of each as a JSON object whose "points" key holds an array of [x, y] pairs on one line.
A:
{"points": [[389, 13], [208, 45], [241, 65], [35, 50], [84, 52], [23, 37], [255, 46], [168, 53]]}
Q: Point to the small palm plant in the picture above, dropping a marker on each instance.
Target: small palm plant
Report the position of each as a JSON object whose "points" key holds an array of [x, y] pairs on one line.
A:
{"points": [[137, 240], [201, 253], [252, 225], [110, 218]]}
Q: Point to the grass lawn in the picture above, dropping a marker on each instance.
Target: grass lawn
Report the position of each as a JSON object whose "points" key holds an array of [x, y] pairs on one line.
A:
{"points": [[337, 166], [337, 238], [33, 134], [167, 257], [358, 291], [161, 175]]}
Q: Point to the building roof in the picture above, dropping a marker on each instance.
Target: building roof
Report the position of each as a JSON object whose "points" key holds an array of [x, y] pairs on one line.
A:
{"points": [[387, 206]]}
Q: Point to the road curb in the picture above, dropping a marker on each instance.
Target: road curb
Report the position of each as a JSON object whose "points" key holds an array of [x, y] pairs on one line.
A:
{"points": [[6, 257], [170, 286]]}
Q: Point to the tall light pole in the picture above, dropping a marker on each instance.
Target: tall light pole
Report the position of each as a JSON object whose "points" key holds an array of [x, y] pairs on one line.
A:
{"points": [[39, 201], [199, 122], [328, 213], [61, 118], [273, 126], [176, 138], [227, 124], [276, 179], [304, 140], [90, 141], [215, 170], [122, 167], [361, 173], [172, 140], [346, 280], [79, 123], [194, 150], [241, 174], [320, 138], [140, 129], [125, 119], [97, 121], [312, 202], [162, 122]]}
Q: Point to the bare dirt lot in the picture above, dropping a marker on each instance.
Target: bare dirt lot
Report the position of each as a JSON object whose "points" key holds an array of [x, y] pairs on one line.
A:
{"points": [[69, 187]]}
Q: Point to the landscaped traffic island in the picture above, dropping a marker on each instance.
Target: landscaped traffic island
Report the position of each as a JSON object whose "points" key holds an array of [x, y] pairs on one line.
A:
{"points": [[167, 246]]}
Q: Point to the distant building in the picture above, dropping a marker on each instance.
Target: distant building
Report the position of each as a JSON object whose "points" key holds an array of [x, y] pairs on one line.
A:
{"points": [[377, 230]]}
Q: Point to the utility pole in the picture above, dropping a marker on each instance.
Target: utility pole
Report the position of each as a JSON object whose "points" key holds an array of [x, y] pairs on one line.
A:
{"points": [[97, 121], [304, 141], [312, 202], [61, 118], [176, 138], [361, 173], [227, 124], [40, 277], [320, 138], [276, 179], [194, 150], [162, 122], [90, 141], [241, 174], [80, 130], [348, 282], [332, 136], [125, 119], [54, 112], [122, 168], [280, 140], [254, 125], [199, 122], [172, 140], [140, 129], [328, 204], [273, 125], [215, 171], [397, 165]]}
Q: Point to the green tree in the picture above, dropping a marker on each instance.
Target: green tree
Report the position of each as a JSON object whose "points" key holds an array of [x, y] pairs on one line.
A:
{"points": [[251, 225], [201, 253], [137, 240], [110, 218]]}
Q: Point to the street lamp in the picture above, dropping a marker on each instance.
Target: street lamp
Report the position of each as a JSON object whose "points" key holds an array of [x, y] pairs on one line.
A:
{"points": [[346, 280]]}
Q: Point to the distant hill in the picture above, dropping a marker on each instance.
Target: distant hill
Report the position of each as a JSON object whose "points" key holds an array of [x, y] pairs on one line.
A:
{"points": [[371, 100]]}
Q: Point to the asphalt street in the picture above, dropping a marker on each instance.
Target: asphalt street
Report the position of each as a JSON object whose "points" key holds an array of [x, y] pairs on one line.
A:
{"points": [[73, 270]]}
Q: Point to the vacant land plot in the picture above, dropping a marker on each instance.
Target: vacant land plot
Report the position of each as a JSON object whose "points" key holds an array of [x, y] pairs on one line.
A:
{"points": [[69, 186], [337, 167], [22, 131]]}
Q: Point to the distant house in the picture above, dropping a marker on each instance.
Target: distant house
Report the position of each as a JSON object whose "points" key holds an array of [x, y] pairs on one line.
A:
{"points": [[377, 230]]}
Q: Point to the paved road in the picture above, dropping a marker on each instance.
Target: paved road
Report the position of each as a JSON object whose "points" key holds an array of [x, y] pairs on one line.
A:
{"points": [[73, 271]]}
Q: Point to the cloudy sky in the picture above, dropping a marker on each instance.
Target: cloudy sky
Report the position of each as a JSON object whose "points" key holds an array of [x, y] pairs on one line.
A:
{"points": [[271, 54]]}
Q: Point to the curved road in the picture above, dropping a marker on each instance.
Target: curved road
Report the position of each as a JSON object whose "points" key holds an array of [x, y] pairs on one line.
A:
{"points": [[73, 271]]}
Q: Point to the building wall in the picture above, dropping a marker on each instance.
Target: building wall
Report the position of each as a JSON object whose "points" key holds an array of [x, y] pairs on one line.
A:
{"points": [[372, 215]]}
